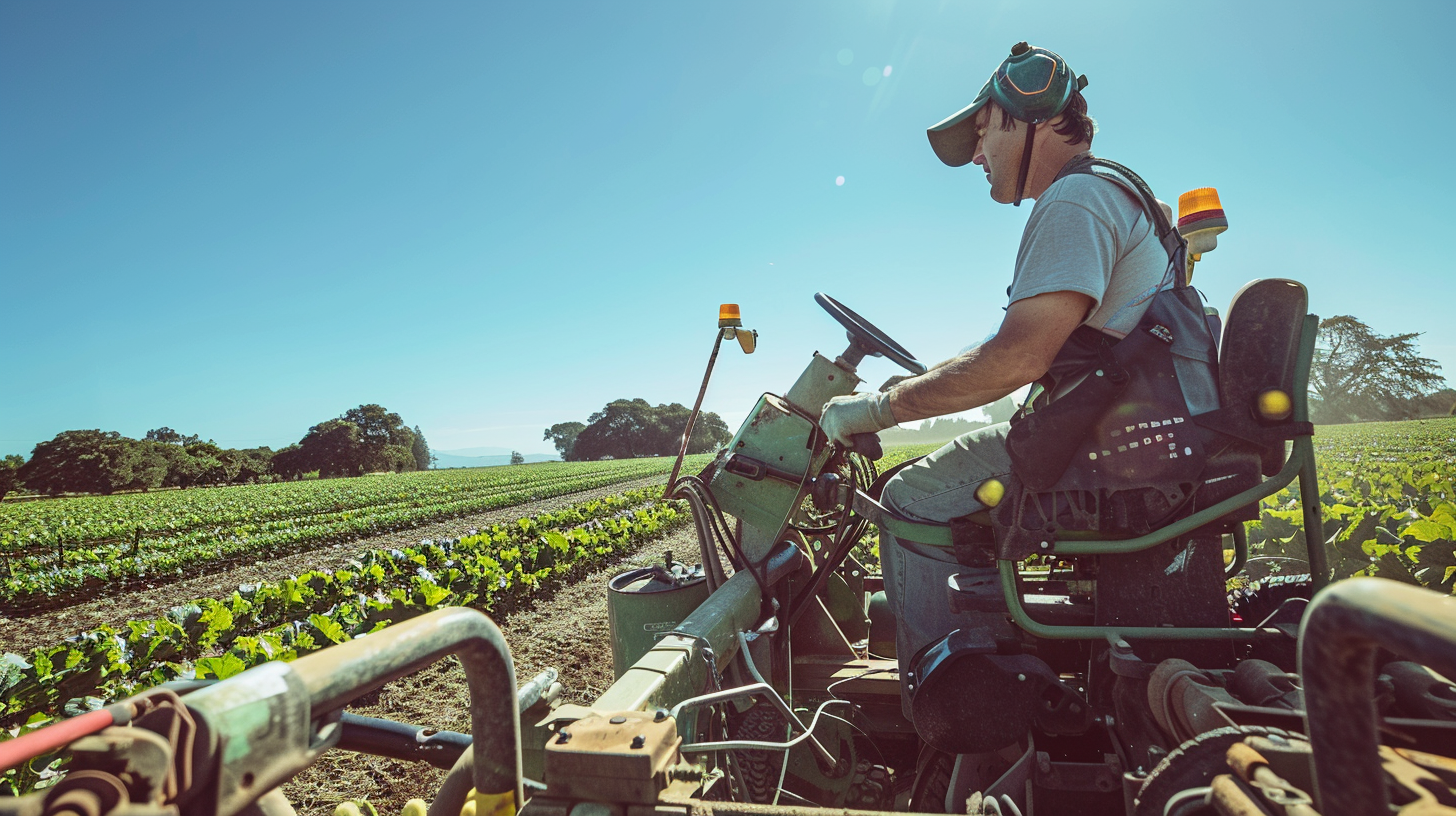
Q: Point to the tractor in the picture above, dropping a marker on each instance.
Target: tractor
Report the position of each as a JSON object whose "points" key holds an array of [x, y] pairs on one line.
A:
{"points": [[1101, 669]]}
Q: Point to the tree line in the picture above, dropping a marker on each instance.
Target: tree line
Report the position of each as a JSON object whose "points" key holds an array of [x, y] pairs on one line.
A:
{"points": [[1359, 375], [626, 429], [366, 439]]}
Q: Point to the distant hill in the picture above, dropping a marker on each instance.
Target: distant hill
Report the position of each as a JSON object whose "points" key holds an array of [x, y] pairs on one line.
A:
{"points": [[459, 459], [487, 451]]}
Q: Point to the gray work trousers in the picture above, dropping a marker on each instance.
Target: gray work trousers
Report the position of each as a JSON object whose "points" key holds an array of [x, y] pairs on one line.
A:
{"points": [[940, 487]]}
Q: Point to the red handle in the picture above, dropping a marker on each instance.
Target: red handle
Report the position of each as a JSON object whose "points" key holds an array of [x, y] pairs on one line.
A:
{"points": [[39, 743]]}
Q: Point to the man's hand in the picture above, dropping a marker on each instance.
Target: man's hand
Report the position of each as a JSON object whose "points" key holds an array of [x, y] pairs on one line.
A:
{"points": [[844, 417]]}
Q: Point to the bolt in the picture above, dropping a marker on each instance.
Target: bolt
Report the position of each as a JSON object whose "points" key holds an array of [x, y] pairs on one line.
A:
{"points": [[563, 737], [617, 720], [639, 741], [1046, 545], [659, 715], [1021, 677]]}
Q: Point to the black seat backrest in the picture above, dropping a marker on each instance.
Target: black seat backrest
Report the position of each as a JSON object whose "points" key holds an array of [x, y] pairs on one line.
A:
{"points": [[1260, 349]]}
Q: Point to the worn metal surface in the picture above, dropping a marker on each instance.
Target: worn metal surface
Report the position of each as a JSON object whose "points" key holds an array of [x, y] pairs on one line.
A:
{"points": [[264, 731], [617, 757], [338, 675], [643, 604], [678, 667], [1345, 625], [765, 472], [821, 381]]}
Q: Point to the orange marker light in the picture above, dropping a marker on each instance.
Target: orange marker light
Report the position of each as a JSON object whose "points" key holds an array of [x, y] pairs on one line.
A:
{"points": [[1200, 221], [728, 316]]}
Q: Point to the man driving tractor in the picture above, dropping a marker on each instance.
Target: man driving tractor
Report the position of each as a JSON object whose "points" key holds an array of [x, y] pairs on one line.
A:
{"points": [[1089, 265]]}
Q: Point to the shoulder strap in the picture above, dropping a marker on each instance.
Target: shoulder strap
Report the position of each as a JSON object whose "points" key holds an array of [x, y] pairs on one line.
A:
{"points": [[1172, 240]]}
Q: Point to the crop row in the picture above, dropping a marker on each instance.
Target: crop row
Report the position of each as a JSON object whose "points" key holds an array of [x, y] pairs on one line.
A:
{"points": [[1388, 492], [491, 569], [41, 580], [80, 520]]}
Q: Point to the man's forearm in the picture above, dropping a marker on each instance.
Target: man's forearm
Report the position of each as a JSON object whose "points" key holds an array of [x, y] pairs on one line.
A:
{"points": [[968, 380]]}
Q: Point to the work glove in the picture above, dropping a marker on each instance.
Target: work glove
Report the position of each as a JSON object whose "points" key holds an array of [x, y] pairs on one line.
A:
{"points": [[867, 412]]}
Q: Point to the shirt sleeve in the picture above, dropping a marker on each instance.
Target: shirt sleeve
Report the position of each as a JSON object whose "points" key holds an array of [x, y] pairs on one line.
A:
{"points": [[1066, 248]]}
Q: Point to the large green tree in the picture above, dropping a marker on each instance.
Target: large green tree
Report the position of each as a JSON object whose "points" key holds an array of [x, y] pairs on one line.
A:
{"points": [[288, 462], [1361, 375], [333, 449], [420, 450], [563, 435], [10, 473], [91, 461], [629, 428], [385, 442]]}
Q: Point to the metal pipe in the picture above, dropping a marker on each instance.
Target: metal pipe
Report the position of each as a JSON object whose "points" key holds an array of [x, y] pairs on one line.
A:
{"points": [[1342, 629], [338, 675], [827, 759], [693, 417]]}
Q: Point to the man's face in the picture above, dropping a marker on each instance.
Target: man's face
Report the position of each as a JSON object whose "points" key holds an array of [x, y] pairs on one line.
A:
{"points": [[998, 152]]}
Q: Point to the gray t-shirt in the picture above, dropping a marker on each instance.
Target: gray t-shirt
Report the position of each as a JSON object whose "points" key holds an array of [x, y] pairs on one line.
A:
{"points": [[1090, 235]]}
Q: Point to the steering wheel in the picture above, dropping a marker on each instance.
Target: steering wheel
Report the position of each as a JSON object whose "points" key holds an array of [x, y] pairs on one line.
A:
{"points": [[865, 339]]}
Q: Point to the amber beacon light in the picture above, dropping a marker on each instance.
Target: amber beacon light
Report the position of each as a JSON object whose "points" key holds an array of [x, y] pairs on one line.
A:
{"points": [[1200, 220]]}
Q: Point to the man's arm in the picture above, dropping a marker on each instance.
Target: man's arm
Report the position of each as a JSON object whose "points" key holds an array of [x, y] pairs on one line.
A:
{"points": [[1021, 351]]}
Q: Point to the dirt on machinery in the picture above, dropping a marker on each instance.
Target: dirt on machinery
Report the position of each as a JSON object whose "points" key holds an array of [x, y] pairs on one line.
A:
{"points": [[49, 628], [564, 628]]}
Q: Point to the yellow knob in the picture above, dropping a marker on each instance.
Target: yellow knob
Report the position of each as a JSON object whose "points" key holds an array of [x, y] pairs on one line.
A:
{"points": [[416, 807], [347, 809], [1275, 404], [991, 492]]}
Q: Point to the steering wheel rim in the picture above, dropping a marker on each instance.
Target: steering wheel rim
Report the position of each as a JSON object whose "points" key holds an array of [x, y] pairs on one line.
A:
{"points": [[867, 337]]}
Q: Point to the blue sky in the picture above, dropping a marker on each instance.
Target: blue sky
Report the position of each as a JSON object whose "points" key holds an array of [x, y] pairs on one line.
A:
{"points": [[238, 220]]}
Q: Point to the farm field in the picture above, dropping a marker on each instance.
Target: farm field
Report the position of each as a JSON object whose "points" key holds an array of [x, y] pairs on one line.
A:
{"points": [[58, 550], [1387, 491]]}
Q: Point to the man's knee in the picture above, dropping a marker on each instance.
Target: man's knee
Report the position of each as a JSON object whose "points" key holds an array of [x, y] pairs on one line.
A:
{"points": [[897, 493]]}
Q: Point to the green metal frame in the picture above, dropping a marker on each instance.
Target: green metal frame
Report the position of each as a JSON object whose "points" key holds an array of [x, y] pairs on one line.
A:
{"points": [[1301, 465]]}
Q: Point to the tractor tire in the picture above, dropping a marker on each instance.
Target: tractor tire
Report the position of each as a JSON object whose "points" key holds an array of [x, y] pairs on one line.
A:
{"points": [[932, 780], [1193, 765], [760, 769], [1261, 598]]}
